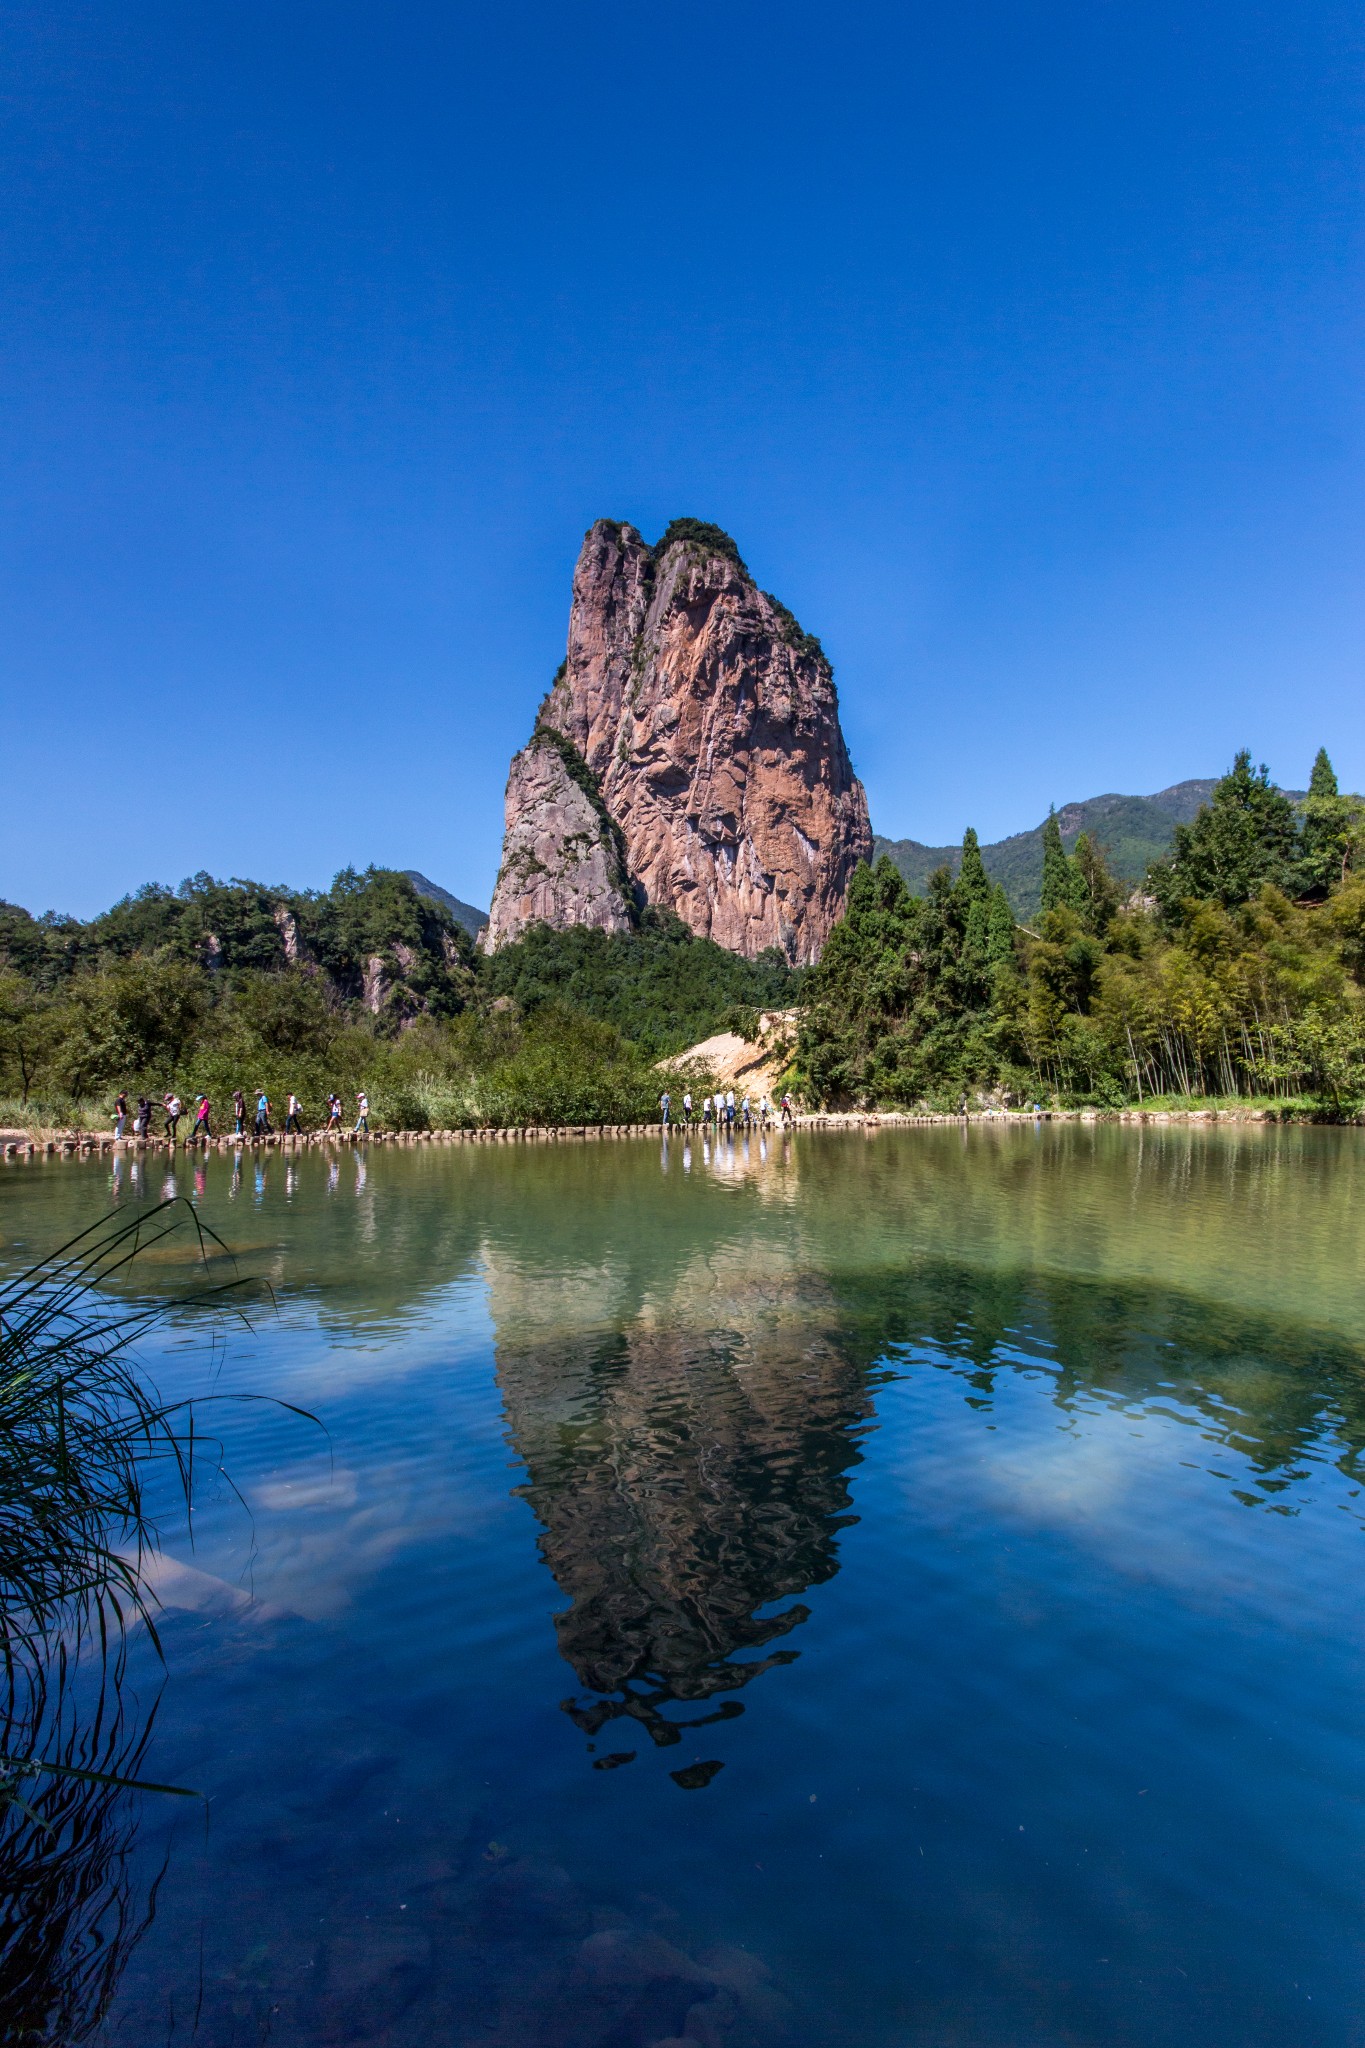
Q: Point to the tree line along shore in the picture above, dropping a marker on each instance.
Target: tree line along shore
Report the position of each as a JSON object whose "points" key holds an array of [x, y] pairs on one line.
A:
{"points": [[1235, 974]]}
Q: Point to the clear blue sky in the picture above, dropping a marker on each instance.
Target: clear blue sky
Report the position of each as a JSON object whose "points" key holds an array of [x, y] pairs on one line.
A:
{"points": [[1018, 346]]}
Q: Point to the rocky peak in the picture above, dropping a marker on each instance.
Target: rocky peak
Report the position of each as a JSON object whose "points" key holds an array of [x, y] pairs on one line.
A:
{"points": [[706, 728]]}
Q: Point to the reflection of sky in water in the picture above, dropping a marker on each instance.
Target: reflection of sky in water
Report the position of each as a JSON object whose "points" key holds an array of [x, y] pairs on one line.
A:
{"points": [[926, 1567]]}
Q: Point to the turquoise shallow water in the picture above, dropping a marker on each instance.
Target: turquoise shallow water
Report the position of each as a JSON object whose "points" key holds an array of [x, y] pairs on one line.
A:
{"points": [[880, 1589]]}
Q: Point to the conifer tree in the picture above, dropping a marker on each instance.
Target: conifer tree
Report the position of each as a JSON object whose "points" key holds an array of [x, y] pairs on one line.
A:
{"points": [[1098, 893], [1062, 886], [1000, 930], [1055, 889], [973, 883], [972, 895], [1242, 840], [1330, 821]]}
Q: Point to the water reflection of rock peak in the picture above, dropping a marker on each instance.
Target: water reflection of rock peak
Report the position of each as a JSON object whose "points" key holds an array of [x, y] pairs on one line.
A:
{"points": [[689, 1470]]}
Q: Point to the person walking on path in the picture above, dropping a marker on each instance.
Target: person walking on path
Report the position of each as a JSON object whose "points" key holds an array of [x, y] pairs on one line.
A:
{"points": [[174, 1112], [665, 1104], [262, 1114], [687, 1109], [786, 1112], [291, 1121], [334, 1111], [239, 1112], [362, 1121], [730, 1110], [143, 1121], [120, 1112], [201, 1122]]}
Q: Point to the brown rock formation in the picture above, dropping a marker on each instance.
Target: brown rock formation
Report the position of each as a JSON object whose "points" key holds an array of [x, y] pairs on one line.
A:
{"points": [[560, 860], [708, 726]]}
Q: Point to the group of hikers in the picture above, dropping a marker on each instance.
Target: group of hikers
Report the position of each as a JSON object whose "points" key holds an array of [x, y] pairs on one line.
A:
{"points": [[722, 1112], [719, 1111], [172, 1109]]}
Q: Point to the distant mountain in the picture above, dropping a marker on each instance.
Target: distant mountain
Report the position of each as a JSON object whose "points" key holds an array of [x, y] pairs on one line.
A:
{"points": [[1133, 830], [473, 920]]}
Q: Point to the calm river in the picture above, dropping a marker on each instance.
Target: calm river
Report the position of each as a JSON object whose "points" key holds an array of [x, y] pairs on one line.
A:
{"points": [[899, 1588]]}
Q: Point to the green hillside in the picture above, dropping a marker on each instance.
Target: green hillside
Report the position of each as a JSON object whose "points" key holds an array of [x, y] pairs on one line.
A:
{"points": [[463, 913], [1133, 831]]}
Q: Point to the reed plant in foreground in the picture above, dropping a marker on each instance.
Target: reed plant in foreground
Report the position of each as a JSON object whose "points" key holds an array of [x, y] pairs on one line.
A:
{"points": [[87, 1444], [82, 1431]]}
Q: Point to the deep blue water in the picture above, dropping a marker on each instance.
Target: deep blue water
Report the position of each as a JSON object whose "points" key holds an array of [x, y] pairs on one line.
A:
{"points": [[894, 1590]]}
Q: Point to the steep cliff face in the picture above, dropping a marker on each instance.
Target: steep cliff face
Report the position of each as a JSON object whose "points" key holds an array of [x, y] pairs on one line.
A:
{"points": [[560, 859], [709, 728]]}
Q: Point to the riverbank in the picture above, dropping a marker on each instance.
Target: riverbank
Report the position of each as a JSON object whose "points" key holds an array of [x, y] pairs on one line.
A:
{"points": [[17, 1144]]}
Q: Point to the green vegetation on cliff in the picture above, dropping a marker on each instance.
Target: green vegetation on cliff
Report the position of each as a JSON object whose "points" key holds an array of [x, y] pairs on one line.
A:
{"points": [[661, 986], [1240, 972]]}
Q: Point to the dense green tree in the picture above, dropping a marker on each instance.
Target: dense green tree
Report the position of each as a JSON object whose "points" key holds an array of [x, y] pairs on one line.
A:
{"points": [[289, 1013], [24, 1018], [660, 985], [1330, 829], [1241, 840], [900, 1006], [972, 895], [1061, 884], [139, 1015], [1097, 894], [1001, 930]]}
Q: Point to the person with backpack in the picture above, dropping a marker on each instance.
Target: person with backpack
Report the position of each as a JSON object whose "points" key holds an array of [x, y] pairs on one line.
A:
{"points": [[291, 1120], [262, 1114], [174, 1112], [362, 1121], [334, 1111]]}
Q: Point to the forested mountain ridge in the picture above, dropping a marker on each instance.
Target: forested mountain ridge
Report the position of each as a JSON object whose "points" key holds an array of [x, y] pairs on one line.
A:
{"points": [[371, 938], [466, 914], [1133, 831]]}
